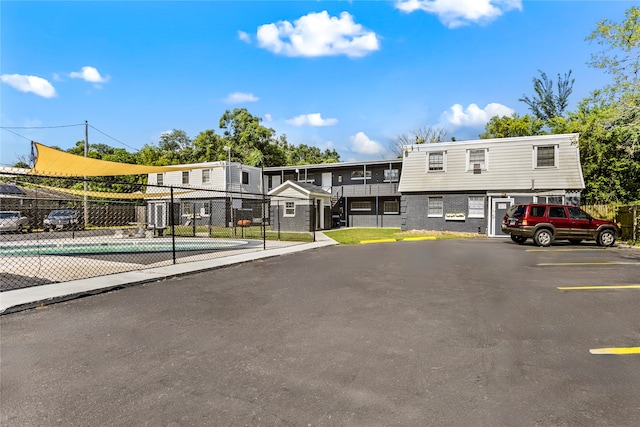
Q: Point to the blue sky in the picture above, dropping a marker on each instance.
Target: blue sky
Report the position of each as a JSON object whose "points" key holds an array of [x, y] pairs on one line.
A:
{"points": [[346, 75]]}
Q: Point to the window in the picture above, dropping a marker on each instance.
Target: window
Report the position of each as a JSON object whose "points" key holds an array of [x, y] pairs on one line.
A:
{"points": [[436, 162], [476, 207], [477, 159], [576, 213], [361, 205], [391, 207], [308, 177], [245, 178], [185, 177], [360, 174], [289, 209], [537, 211], [206, 176], [545, 156], [160, 179], [187, 208], [435, 207], [391, 175], [339, 179], [556, 212]]}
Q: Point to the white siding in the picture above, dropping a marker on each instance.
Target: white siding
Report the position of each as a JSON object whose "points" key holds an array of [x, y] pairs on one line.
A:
{"points": [[510, 166]]}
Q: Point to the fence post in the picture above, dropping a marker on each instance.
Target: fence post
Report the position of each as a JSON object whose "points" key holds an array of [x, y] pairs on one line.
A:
{"points": [[173, 227], [635, 223]]}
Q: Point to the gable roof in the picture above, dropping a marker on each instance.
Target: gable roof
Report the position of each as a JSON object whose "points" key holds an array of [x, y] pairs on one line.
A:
{"points": [[509, 166], [304, 188]]}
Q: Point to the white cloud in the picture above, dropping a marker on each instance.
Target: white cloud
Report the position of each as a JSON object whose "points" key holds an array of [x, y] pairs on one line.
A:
{"points": [[456, 13], [360, 143], [474, 116], [268, 117], [318, 34], [313, 119], [34, 84], [244, 37], [239, 97], [89, 74]]}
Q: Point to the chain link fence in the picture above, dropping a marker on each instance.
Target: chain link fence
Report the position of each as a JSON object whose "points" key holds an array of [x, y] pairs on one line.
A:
{"points": [[53, 230]]}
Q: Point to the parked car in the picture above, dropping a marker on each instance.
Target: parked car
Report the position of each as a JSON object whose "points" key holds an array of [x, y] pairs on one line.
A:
{"points": [[14, 221], [546, 223], [63, 219]]}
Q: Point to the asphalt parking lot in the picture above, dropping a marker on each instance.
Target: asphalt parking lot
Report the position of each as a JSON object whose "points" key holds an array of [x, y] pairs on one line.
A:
{"points": [[478, 332]]}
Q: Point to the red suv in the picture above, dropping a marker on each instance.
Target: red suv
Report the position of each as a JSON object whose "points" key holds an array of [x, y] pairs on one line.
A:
{"points": [[546, 223]]}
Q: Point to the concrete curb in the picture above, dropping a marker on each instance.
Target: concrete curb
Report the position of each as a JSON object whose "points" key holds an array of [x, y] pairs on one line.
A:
{"points": [[27, 298]]}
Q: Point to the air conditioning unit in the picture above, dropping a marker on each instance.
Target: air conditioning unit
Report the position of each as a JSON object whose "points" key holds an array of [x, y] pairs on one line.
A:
{"points": [[476, 168]]}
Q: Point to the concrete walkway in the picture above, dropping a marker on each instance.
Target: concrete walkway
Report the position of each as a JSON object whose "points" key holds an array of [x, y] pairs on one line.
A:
{"points": [[26, 298]]}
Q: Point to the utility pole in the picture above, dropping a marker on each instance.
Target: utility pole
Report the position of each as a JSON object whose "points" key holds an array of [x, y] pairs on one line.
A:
{"points": [[86, 186]]}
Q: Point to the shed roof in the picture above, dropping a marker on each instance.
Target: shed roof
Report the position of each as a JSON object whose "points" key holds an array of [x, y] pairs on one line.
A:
{"points": [[304, 188]]}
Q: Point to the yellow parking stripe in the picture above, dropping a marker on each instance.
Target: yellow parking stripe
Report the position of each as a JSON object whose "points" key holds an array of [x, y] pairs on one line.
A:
{"points": [[565, 249], [589, 288], [413, 239], [364, 242], [547, 264], [613, 350]]}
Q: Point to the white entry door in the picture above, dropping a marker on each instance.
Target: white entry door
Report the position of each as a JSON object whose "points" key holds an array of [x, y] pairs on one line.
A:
{"points": [[326, 181], [498, 210]]}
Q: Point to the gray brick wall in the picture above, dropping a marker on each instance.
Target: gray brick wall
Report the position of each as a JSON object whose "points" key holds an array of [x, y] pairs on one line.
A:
{"points": [[299, 222], [415, 208], [393, 221]]}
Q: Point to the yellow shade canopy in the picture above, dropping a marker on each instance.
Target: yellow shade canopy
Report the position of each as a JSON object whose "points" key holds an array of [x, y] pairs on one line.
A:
{"points": [[52, 162]]}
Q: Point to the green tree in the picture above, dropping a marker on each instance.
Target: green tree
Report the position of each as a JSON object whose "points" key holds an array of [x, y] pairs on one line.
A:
{"points": [[307, 155], [505, 127], [548, 103], [610, 163], [620, 50]]}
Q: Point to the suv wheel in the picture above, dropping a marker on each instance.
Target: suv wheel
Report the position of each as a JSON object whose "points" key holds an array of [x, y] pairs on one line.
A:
{"points": [[518, 239], [606, 238], [543, 237]]}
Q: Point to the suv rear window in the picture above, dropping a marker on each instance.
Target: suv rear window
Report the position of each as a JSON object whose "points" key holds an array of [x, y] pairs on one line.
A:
{"points": [[516, 211], [537, 210]]}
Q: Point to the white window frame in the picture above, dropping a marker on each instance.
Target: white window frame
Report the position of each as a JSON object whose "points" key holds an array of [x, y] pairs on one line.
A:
{"points": [[289, 209], [435, 214], [396, 209], [395, 175], [555, 156], [206, 176], [444, 162], [243, 175], [474, 211], [160, 179], [185, 177], [365, 176], [362, 208], [486, 159]]}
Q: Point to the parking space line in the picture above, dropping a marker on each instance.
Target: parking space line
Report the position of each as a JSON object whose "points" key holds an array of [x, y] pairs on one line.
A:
{"points": [[589, 288], [616, 350], [565, 249], [413, 239], [549, 264], [364, 242]]}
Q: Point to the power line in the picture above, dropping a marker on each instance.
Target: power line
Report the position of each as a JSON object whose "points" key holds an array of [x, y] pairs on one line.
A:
{"points": [[108, 136], [40, 127], [16, 133]]}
